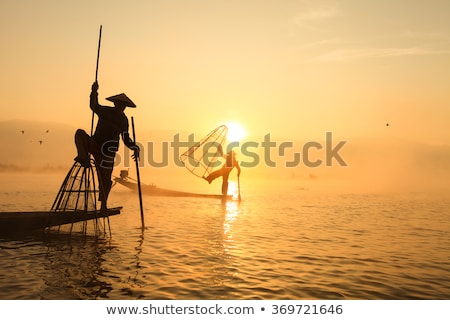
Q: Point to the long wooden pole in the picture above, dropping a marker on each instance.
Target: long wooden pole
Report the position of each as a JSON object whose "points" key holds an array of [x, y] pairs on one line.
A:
{"points": [[239, 189], [96, 72], [98, 52], [138, 177]]}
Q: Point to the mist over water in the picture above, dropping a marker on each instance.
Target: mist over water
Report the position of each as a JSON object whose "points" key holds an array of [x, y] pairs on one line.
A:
{"points": [[373, 164]]}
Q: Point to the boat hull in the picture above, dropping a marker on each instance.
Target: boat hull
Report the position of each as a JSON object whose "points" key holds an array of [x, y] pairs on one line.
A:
{"points": [[151, 190], [20, 222]]}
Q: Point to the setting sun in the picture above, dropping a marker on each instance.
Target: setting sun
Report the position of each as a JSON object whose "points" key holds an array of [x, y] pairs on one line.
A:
{"points": [[235, 132]]}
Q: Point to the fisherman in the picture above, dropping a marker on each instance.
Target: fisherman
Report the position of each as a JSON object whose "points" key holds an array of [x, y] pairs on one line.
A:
{"points": [[230, 163], [104, 143]]}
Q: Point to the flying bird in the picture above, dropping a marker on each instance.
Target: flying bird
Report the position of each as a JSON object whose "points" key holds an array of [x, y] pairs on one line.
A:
{"points": [[40, 141]]}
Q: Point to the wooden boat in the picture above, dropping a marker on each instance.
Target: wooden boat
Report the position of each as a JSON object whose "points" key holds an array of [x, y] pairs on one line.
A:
{"points": [[152, 190], [76, 202], [21, 222]]}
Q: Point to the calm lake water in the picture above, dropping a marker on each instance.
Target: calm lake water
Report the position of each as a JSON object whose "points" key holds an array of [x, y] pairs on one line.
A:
{"points": [[280, 242]]}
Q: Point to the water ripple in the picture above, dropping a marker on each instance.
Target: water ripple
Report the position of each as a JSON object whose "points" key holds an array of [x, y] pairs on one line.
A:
{"points": [[351, 246]]}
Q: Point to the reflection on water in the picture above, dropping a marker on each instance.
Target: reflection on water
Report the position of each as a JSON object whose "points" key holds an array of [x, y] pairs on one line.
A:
{"points": [[224, 250], [282, 244], [74, 268], [135, 279], [231, 213], [54, 267]]}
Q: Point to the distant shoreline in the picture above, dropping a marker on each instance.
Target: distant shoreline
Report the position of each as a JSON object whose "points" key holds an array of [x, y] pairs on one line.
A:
{"points": [[11, 168]]}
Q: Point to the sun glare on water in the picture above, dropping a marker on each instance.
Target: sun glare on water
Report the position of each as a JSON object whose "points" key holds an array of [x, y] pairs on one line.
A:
{"points": [[235, 132]]}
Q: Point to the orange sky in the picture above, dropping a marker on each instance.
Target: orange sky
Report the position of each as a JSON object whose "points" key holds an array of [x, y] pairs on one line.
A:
{"points": [[291, 68]]}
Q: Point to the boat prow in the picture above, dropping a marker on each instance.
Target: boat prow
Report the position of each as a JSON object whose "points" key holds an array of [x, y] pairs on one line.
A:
{"points": [[23, 222]]}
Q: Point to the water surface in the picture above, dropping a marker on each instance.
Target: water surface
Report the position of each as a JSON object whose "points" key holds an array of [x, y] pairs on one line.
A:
{"points": [[280, 242]]}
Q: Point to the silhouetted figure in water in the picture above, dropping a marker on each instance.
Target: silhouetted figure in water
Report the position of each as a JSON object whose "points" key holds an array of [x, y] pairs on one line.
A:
{"points": [[230, 163], [104, 143]]}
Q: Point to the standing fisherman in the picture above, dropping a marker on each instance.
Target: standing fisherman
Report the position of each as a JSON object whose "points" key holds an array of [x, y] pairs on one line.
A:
{"points": [[224, 172], [104, 143]]}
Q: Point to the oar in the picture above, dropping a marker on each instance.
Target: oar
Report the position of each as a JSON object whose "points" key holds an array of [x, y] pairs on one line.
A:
{"points": [[96, 72], [138, 176], [239, 189]]}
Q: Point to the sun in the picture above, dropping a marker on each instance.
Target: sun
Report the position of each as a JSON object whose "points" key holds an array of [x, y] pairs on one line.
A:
{"points": [[235, 132]]}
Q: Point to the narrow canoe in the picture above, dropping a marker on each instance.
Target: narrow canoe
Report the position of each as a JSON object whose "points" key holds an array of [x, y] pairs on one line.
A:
{"points": [[152, 190], [19, 222]]}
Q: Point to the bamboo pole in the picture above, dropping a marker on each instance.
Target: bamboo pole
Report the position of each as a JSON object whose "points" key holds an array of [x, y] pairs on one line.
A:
{"points": [[138, 176], [96, 72]]}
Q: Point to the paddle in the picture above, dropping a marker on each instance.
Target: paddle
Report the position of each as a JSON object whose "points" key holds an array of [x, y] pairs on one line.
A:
{"points": [[239, 189], [96, 72], [138, 177]]}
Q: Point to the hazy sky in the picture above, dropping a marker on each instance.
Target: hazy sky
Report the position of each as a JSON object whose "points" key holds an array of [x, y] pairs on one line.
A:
{"points": [[295, 68]]}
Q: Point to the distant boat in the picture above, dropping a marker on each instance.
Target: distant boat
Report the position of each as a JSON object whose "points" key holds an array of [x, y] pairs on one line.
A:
{"points": [[22, 222], [152, 190]]}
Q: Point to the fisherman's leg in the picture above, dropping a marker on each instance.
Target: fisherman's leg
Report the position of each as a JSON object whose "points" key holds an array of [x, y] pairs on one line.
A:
{"points": [[82, 142], [104, 186], [213, 175], [225, 188], [102, 167], [225, 184], [105, 165], [107, 184]]}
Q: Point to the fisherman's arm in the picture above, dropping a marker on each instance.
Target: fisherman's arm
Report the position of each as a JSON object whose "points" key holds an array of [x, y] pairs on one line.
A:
{"points": [[94, 97], [128, 141], [130, 144]]}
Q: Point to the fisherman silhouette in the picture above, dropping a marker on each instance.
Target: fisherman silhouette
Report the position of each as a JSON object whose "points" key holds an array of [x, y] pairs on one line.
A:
{"points": [[230, 163], [104, 143]]}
